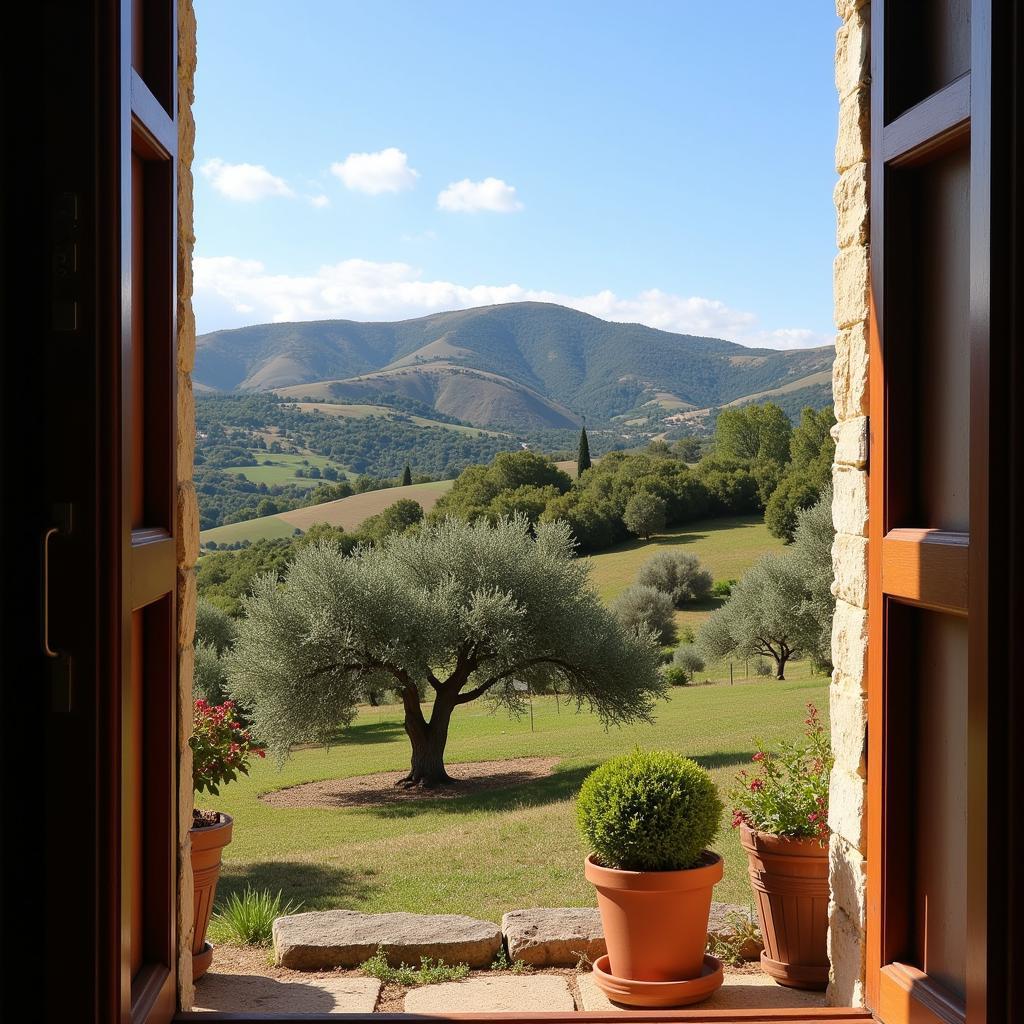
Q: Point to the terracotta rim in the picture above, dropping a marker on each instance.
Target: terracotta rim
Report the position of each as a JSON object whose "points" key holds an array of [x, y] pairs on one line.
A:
{"points": [[664, 994], [202, 961], [703, 876], [210, 836], [812, 978], [792, 846]]}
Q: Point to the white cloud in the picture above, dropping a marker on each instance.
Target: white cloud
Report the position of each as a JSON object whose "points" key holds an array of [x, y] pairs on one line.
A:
{"points": [[230, 292], [319, 201], [491, 194], [245, 183], [374, 173]]}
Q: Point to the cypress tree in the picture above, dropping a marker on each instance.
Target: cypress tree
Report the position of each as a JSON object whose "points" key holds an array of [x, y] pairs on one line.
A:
{"points": [[583, 457], [407, 476]]}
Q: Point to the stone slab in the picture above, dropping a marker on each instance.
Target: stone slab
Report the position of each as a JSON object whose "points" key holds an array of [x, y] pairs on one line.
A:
{"points": [[554, 936], [505, 993], [754, 991], [253, 993], [559, 936], [345, 938]]}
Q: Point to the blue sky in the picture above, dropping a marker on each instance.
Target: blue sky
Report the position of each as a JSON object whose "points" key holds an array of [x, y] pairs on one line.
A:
{"points": [[663, 162]]}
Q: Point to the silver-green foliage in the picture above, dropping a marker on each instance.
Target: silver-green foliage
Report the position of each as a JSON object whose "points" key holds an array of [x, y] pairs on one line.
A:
{"points": [[688, 658], [678, 574], [209, 678], [782, 608], [642, 608], [459, 609], [649, 811]]}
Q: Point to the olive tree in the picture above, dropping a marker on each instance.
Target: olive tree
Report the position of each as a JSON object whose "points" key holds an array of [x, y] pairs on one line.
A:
{"points": [[453, 612], [641, 608], [678, 574]]}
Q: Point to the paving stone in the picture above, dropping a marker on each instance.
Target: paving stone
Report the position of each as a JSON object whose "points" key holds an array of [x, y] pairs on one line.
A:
{"points": [[754, 991], [345, 938], [554, 936], [504, 993], [253, 993]]}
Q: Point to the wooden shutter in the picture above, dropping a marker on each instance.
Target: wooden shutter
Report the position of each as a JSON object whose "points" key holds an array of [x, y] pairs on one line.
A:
{"points": [[942, 201]]}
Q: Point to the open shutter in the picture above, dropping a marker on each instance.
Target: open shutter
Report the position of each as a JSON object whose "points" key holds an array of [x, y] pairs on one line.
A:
{"points": [[941, 215]]}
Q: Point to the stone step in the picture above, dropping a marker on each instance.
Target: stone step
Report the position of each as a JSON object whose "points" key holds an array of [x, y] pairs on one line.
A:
{"points": [[255, 994], [563, 936], [501, 994], [324, 939]]}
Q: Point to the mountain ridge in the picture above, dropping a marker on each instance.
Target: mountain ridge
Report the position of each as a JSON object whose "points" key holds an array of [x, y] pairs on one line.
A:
{"points": [[548, 364]]}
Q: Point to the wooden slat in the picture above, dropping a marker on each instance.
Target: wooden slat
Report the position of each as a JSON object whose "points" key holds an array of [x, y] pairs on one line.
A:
{"points": [[822, 1015], [153, 566], [935, 124], [152, 123], [909, 996], [926, 568]]}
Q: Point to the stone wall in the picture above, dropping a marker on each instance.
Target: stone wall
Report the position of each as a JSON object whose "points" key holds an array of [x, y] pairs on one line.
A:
{"points": [[847, 695], [187, 508]]}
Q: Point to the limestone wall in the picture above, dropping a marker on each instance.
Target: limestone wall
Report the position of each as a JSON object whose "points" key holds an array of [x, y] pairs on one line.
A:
{"points": [[187, 508], [847, 696]]}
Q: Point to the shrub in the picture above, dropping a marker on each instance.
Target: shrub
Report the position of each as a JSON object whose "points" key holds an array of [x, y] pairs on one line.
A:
{"points": [[675, 675], [677, 574], [762, 667], [723, 588], [248, 919], [649, 811], [210, 678], [640, 608], [214, 627], [688, 660], [788, 792]]}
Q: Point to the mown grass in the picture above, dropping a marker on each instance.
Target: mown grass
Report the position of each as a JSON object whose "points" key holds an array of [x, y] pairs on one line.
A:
{"points": [[282, 468], [498, 850]]}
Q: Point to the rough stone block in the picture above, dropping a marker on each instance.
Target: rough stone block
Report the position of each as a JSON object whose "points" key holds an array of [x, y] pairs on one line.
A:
{"points": [[854, 135], [848, 880], [850, 283], [846, 950], [554, 937], [851, 202], [188, 525], [850, 501], [187, 598], [848, 718], [846, 805], [850, 372], [850, 565], [853, 53], [185, 440], [345, 938], [851, 437], [850, 640]]}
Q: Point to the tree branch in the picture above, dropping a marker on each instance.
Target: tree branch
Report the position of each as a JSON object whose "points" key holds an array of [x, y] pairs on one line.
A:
{"points": [[479, 691]]}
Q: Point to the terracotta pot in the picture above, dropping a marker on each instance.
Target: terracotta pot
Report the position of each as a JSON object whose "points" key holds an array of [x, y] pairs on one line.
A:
{"points": [[655, 922], [790, 882], [207, 846]]}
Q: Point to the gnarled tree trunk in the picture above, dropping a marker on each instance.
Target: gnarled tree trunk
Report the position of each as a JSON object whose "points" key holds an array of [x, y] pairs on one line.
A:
{"points": [[428, 739]]}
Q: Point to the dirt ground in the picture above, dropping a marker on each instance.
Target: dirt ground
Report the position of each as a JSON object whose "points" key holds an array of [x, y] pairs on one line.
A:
{"points": [[380, 789]]}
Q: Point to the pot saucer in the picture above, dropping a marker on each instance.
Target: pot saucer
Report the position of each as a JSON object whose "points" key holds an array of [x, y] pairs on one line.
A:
{"points": [[658, 993]]}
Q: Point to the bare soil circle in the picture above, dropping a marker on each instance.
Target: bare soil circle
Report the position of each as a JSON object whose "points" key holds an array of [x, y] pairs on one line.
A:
{"points": [[381, 789]]}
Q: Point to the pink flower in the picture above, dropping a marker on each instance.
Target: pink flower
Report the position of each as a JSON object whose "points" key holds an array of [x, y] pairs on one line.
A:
{"points": [[759, 756], [756, 785]]}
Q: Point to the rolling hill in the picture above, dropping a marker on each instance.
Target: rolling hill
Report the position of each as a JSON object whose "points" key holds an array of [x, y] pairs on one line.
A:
{"points": [[527, 365]]}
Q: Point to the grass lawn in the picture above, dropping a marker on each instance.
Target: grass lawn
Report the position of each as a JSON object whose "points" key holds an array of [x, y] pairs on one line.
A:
{"points": [[727, 548], [494, 851], [282, 469]]}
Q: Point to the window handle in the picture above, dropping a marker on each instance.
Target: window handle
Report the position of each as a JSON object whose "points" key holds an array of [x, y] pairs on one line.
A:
{"points": [[62, 517]]}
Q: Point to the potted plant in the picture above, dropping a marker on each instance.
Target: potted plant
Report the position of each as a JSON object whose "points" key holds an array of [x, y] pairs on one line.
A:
{"points": [[649, 818], [221, 747], [781, 810]]}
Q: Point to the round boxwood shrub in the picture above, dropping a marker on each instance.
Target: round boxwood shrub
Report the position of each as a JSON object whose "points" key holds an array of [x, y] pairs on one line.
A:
{"points": [[649, 811]]}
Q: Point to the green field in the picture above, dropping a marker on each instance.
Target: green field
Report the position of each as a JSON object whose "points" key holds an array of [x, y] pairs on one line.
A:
{"points": [[727, 548], [282, 469], [496, 851], [361, 412]]}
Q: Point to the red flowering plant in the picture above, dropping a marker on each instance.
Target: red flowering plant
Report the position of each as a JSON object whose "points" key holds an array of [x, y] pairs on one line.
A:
{"points": [[786, 794], [221, 746]]}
